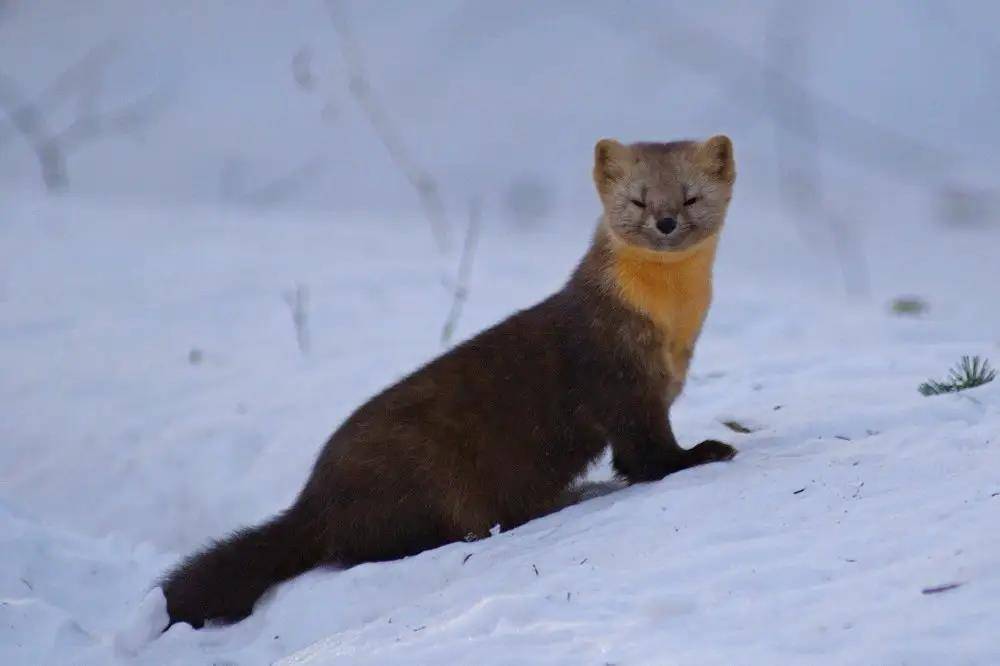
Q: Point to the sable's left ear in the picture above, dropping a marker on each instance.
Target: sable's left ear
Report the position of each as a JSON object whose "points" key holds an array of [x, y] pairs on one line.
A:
{"points": [[716, 157]]}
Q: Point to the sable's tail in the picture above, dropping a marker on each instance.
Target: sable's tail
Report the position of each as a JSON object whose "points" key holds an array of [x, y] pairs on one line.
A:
{"points": [[223, 581]]}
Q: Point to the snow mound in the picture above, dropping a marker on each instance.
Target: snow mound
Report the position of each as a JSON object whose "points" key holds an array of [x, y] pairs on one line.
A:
{"points": [[857, 524]]}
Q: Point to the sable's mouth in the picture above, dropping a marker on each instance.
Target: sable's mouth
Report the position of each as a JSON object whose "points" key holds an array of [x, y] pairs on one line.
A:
{"points": [[681, 239], [671, 237], [651, 238]]}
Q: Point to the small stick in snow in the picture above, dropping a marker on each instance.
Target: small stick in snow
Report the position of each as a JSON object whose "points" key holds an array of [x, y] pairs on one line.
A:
{"points": [[298, 304], [800, 490], [535, 568], [466, 558], [736, 426], [940, 588]]}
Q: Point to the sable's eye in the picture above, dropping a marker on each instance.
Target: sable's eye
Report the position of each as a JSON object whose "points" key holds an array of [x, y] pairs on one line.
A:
{"points": [[638, 204], [692, 201]]}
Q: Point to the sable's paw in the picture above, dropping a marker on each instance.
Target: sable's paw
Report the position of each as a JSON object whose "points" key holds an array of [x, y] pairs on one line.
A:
{"points": [[713, 451]]}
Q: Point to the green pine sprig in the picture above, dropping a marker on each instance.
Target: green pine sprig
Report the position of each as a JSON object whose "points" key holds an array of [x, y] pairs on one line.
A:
{"points": [[969, 373]]}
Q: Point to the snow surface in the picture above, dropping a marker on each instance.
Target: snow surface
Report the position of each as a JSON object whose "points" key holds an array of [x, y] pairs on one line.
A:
{"points": [[851, 496], [153, 395]]}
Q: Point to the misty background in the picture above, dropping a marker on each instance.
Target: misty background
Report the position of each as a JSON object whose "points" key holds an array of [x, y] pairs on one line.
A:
{"points": [[837, 110]]}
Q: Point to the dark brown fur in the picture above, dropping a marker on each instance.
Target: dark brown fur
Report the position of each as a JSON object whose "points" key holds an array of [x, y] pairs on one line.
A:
{"points": [[492, 432]]}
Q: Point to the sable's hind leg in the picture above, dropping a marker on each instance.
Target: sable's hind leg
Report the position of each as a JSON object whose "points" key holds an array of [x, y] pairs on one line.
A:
{"points": [[386, 519]]}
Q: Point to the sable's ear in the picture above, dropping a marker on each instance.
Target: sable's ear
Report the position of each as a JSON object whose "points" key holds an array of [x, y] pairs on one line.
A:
{"points": [[609, 164], [715, 156]]}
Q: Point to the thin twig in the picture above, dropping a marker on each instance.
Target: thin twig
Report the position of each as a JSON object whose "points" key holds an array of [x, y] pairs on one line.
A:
{"points": [[797, 152], [298, 305], [797, 144], [71, 78], [361, 89], [29, 122], [461, 291], [125, 118], [282, 187], [848, 133], [851, 255], [28, 118]]}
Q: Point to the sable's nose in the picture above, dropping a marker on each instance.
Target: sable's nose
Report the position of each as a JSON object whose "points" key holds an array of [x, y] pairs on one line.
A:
{"points": [[666, 225]]}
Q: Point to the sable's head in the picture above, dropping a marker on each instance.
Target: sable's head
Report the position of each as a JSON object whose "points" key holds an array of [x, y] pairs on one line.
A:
{"points": [[665, 197]]}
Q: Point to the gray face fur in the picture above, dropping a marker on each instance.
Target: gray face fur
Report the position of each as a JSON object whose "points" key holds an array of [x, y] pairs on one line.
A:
{"points": [[644, 184]]}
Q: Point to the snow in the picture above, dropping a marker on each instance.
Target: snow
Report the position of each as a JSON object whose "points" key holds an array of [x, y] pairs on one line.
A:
{"points": [[154, 396], [851, 496]]}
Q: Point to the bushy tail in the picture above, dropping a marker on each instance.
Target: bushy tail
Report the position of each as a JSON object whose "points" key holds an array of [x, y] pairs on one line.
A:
{"points": [[223, 581]]}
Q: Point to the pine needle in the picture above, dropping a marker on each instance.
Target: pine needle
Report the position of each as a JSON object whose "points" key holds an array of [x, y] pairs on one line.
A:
{"points": [[969, 373]]}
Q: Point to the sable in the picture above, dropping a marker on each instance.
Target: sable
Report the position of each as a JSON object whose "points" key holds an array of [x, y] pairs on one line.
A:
{"points": [[496, 430]]}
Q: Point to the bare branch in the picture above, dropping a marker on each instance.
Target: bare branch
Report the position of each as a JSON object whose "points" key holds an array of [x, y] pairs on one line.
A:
{"points": [[797, 152], [81, 76], [124, 119], [82, 80], [302, 70], [851, 255], [281, 188], [797, 144], [83, 71], [460, 292], [360, 87], [297, 301], [29, 122], [849, 134]]}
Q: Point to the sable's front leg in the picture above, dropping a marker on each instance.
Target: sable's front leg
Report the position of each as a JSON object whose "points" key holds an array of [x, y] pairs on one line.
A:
{"points": [[711, 450], [644, 448]]}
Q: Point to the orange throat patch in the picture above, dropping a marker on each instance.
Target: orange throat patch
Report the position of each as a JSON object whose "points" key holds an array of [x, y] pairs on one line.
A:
{"points": [[673, 290]]}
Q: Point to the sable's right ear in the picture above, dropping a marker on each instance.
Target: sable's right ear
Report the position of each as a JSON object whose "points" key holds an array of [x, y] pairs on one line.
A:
{"points": [[609, 164]]}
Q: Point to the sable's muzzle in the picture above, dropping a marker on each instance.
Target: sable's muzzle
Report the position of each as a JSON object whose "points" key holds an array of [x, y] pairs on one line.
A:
{"points": [[666, 225]]}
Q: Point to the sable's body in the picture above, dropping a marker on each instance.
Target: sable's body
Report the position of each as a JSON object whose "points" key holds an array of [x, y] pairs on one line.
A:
{"points": [[496, 430]]}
